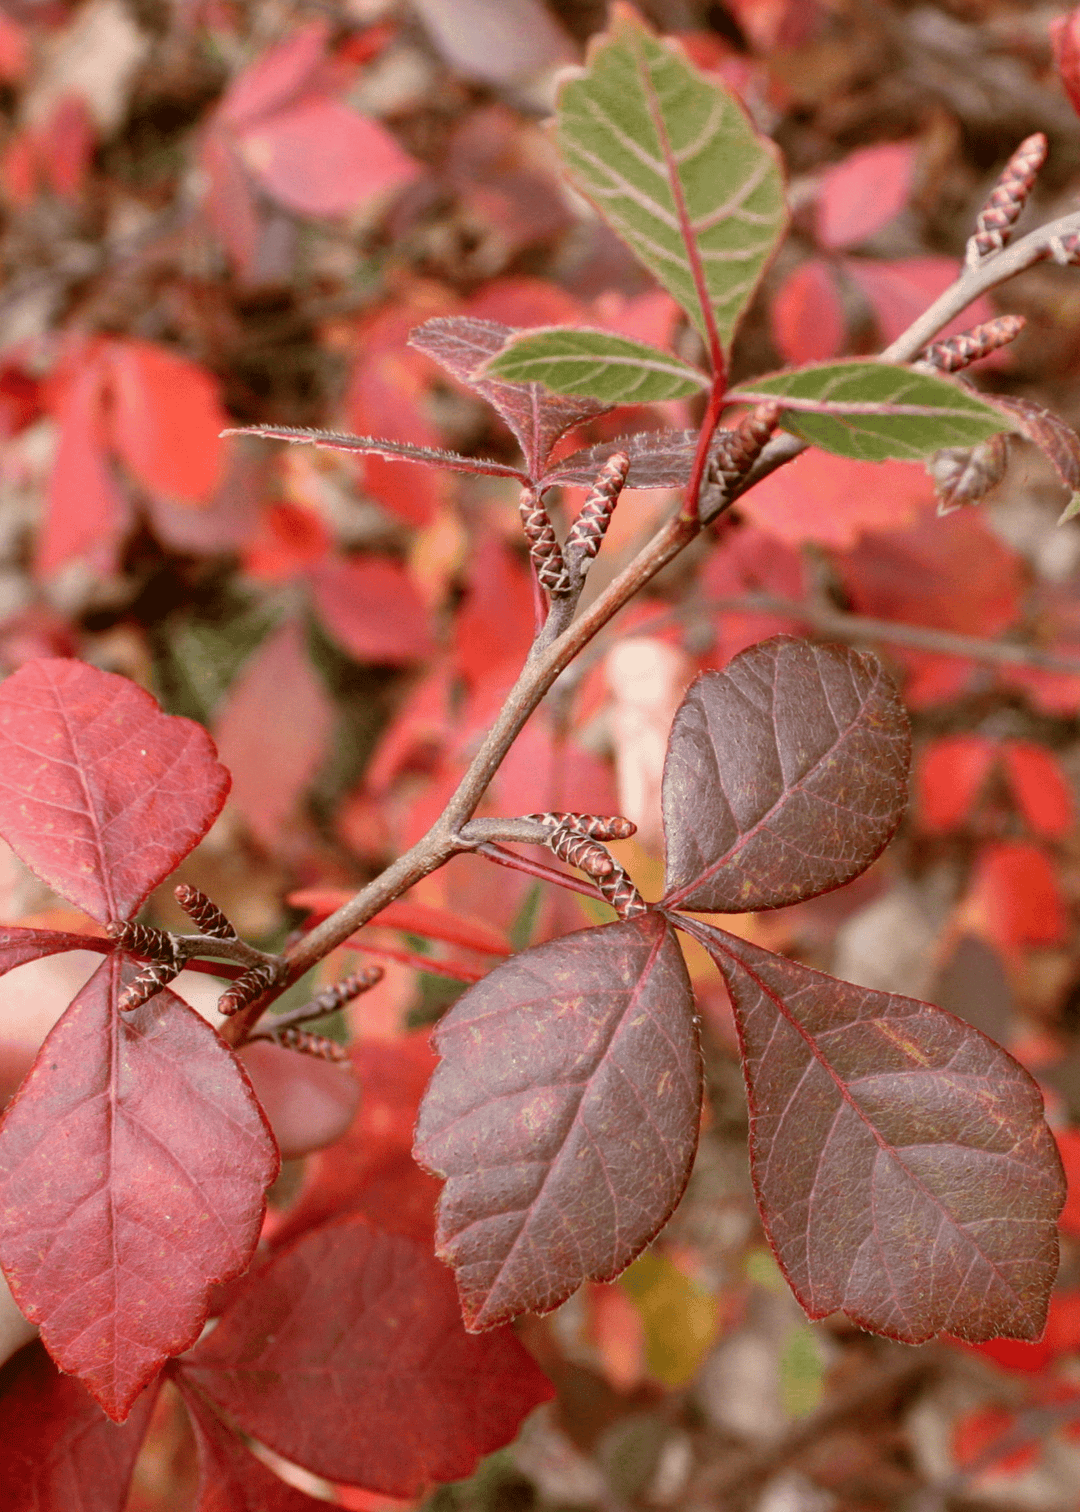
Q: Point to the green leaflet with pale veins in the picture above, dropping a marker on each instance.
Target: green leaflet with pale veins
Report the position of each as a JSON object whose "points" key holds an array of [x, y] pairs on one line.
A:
{"points": [[578, 360], [660, 150], [875, 410]]}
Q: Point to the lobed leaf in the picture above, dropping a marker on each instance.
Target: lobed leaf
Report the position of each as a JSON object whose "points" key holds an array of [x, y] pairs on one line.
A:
{"points": [[785, 776], [658, 459], [599, 364], [379, 446], [564, 1116], [133, 1168], [874, 410], [903, 1169], [101, 794], [462, 345], [58, 1450], [674, 166], [367, 1321]]}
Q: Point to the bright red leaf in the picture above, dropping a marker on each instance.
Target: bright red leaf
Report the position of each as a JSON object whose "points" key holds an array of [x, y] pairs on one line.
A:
{"points": [[371, 607], [366, 1321], [1065, 35], [863, 193], [1068, 1143], [277, 76], [976, 1433], [166, 420], [102, 794], [835, 500], [900, 291], [273, 759], [1015, 895], [231, 1479], [903, 1170], [87, 511], [786, 775], [1040, 787], [58, 1450], [563, 1115], [949, 777], [134, 1163], [807, 315], [17, 946]]}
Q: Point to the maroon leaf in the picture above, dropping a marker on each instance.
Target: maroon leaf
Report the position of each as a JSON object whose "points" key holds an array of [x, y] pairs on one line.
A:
{"points": [[133, 1167], [658, 459], [17, 946], [58, 1450], [102, 794], [537, 417], [1058, 441], [231, 1479], [786, 775], [564, 1116], [367, 1324], [903, 1169], [392, 451]]}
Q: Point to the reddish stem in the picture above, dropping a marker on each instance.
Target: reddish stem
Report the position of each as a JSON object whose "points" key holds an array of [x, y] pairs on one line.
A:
{"points": [[711, 420], [429, 964], [537, 869]]}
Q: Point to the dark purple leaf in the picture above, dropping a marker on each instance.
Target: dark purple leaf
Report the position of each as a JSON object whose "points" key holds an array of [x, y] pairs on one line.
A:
{"points": [[58, 1450], [903, 1169], [347, 1355], [786, 775], [564, 1116], [379, 446], [536, 416], [1051, 435], [17, 946], [658, 459]]}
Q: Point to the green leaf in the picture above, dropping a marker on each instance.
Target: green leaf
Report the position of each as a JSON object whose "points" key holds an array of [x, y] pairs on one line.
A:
{"points": [[874, 410], [578, 360], [1071, 510], [674, 166]]}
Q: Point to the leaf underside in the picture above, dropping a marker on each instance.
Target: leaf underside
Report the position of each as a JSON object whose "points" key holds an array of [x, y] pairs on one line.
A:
{"points": [[379, 446], [902, 1165], [1058, 441], [564, 1116], [600, 364], [785, 776], [876, 410], [118, 1212], [658, 459], [367, 1321], [660, 150], [537, 418]]}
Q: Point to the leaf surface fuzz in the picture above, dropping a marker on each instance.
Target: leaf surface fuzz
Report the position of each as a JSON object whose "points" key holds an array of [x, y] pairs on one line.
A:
{"points": [[368, 1322], [101, 794], [786, 775], [564, 1116], [902, 1165], [134, 1163], [667, 155]]}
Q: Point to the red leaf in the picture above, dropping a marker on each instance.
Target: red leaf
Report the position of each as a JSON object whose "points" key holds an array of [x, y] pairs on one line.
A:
{"points": [[903, 1170], [289, 539], [976, 1432], [133, 1168], [808, 322], [370, 1170], [368, 1322], [276, 77], [167, 420], [1065, 36], [537, 418], [1015, 894], [1040, 787], [272, 759], [14, 50], [1068, 1142], [414, 918], [835, 500], [103, 795], [58, 1450], [900, 291], [749, 562], [949, 777], [65, 146], [231, 1479], [786, 775], [88, 512], [17, 946], [494, 628], [863, 193], [230, 205], [371, 607], [564, 1115]]}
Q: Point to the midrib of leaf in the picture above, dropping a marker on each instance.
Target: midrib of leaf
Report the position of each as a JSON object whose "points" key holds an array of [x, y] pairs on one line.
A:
{"points": [[103, 873], [889, 1150]]}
